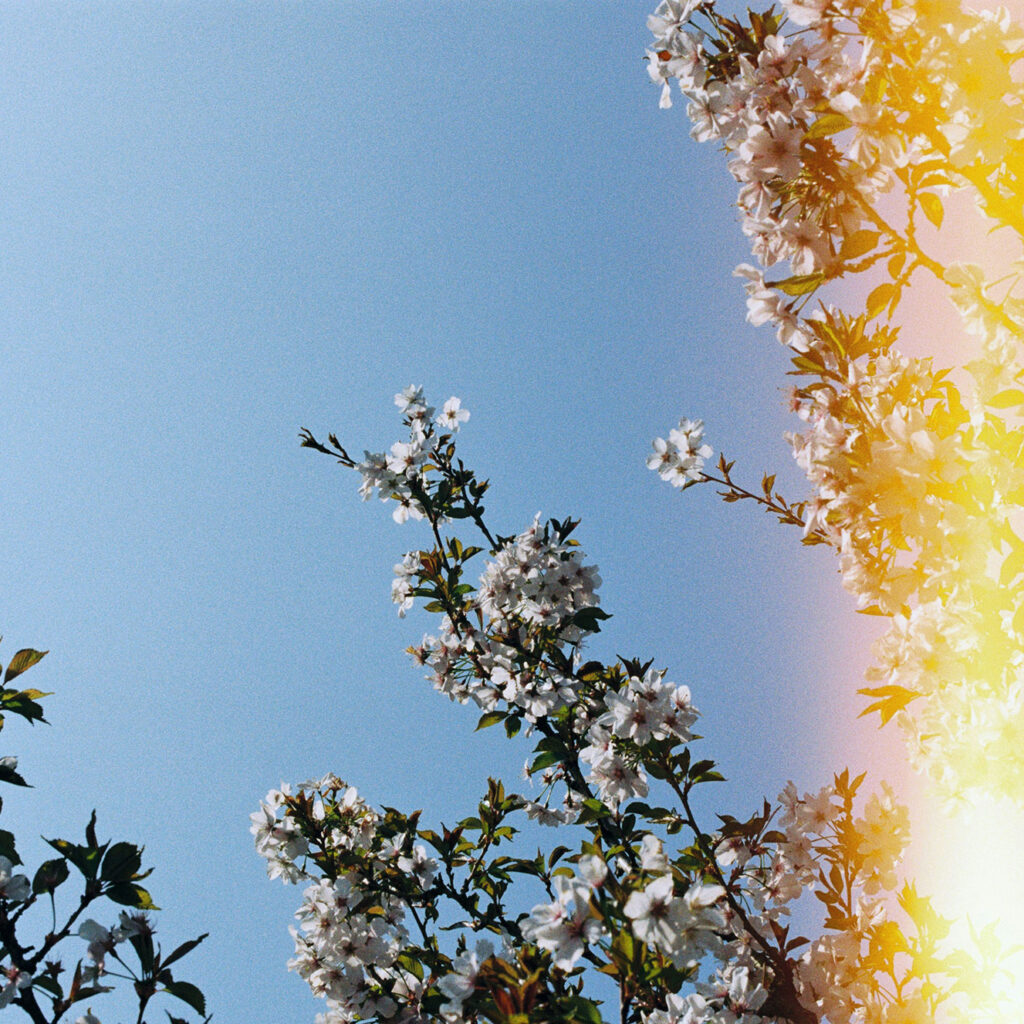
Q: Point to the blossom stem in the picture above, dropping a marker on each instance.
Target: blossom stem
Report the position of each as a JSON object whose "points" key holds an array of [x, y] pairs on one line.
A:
{"points": [[785, 513], [783, 989]]}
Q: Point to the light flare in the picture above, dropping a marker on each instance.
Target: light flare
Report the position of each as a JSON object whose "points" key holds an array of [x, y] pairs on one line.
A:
{"points": [[969, 860], [966, 849]]}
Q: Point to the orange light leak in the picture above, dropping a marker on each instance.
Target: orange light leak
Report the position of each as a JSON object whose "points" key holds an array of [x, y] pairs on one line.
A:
{"points": [[970, 860]]}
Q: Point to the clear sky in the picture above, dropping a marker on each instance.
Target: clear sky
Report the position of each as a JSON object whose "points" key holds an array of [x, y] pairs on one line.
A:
{"points": [[226, 221]]}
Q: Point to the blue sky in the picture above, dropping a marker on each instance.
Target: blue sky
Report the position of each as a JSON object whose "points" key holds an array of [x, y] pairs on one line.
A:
{"points": [[226, 221]]}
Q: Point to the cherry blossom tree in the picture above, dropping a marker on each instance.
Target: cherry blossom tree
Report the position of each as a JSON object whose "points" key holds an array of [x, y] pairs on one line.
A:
{"points": [[44, 930], [848, 137], [850, 126]]}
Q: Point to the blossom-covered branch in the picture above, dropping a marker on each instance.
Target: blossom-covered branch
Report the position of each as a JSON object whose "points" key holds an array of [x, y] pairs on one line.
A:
{"points": [[31, 971], [850, 126], [401, 922]]}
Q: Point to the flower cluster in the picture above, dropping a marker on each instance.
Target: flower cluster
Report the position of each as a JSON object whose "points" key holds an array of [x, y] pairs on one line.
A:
{"points": [[571, 923], [680, 458], [399, 474], [537, 591], [918, 483], [351, 921], [833, 112], [537, 580], [367, 879], [644, 710], [760, 101], [692, 924]]}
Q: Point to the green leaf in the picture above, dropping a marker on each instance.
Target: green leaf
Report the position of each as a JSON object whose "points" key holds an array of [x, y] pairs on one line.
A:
{"points": [[411, 964], [593, 810], [86, 860], [587, 619], [931, 204], [51, 874], [22, 662], [524, 867], [9, 775], [21, 702], [545, 759], [130, 895], [184, 949], [553, 743], [1006, 399], [187, 993], [624, 945], [798, 284], [584, 1011], [556, 854], [704, 771], [144, 949], [489, 719], [7, 847], [891, 699], [828, 124], [121, 863], [879, 298], [48, 984], [859, 243]]}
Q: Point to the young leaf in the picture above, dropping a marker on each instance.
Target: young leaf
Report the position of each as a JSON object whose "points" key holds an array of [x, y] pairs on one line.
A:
{"points": [[183, 949], [891, 699], [931, 204], [130, 895], [827, 124], [22, 662], [545, 759], [51, 874], [859, 243], [489, 718], [798, 284], [187, 993], [880, 298]]}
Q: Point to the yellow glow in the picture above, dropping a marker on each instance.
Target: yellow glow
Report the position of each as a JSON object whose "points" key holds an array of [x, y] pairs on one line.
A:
{"points": [[970, 862]]}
